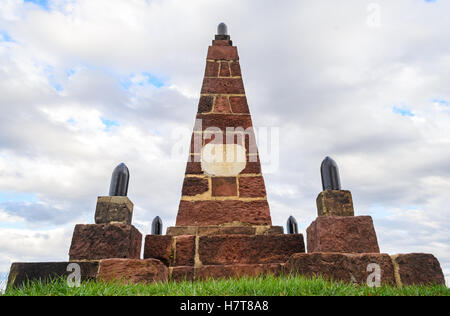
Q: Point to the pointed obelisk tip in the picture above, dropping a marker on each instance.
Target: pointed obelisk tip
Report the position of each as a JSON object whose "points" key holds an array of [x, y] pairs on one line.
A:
{"points": [[157, 226], [222, 29], [330, 174], [119, 181], [292, 226]]}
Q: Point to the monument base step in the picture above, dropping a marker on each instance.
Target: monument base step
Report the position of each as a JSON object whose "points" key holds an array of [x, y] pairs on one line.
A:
{"points": [[399, 270], [224, 230]]}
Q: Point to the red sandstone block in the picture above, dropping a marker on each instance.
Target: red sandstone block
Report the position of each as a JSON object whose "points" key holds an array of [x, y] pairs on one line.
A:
{"points": [[180, 274], [225, 69], [253, 165], [205, 104], [239, 105], [184, 251], [132, 271], [221, 105], [235, 69], [419, 269], [335, 203], [237, 271], [222, 43], [252, 187], [224, 187], [353, 268], [222, 122], [196, 143], [195, 186], [206, 213], [342, 234], [244, 249], [94, 242], [223, 53], [159, 247], [223, 86], [194, 166], [212, 69]]}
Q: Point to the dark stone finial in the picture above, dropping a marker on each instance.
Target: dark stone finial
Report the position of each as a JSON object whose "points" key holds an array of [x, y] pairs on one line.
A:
{"points": [[292, 226], [330, 175], [222, 29], [157, 226], [119, 181]]}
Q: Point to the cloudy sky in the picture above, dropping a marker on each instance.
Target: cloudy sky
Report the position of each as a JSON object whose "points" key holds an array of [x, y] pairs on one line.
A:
{"points": [[85, 85]]}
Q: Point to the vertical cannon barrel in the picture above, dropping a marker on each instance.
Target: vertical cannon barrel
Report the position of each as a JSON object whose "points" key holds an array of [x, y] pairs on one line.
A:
{"points": [[119, 181], [157, 226], [330, 175], [292, 226]]}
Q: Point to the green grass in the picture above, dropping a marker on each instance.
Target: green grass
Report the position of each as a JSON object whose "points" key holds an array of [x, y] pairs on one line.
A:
{"points": [[268, 286]]}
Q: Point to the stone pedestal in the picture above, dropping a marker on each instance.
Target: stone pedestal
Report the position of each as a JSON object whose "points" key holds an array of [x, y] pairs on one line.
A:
{"points": [[335, 203], [224, 230], [95, 242], [113, 209], [131, 271], [342, 234]]}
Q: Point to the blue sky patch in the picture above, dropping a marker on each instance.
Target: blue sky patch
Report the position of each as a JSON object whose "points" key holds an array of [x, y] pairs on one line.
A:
{"points": [[42, 3], [403, 111], [109, 124], [5, 37], [12, 197], [441, 102], [142, 79]]}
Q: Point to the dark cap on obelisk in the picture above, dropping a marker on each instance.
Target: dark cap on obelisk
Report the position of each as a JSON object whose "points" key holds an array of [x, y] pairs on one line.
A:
{"points": [[330, 175], [157, 226], [222, 33], [119, 181], [292, 226]]}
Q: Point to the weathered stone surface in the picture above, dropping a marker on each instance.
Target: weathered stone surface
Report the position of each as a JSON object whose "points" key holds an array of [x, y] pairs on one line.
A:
{"points": [[223, 53], [194, 166], [184, 251], [113, 209], [209, 213], [223, 86], [342, 234], [235, 69], [224, 186], [221, 105], [242, 249], [418, 269], [132, 271], [353, 268], [22, 273], [205, 104], [239, 105], [252, 187], [222, 121], [159, 247], [236, 271], [212, 69], [95, 242], [195, 186], [180, 274], [224, 230], [335, 203], [225, 69]]}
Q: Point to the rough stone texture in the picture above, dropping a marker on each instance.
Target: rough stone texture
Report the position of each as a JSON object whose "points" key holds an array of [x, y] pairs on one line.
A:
{"points": [[113, 209], [225, 69], [221, 105], [21, 273], [335, 203], [224, 230], [132, 271], [195, 186], [237, 271], [223, 86], [205, 104], [184, 251], [252, 187], [235, 69], [209, 213], [351, 268], [224, 187], [418, 269], [239, 105], [180, 274], [342, 234], [159, 247], [194, 167], [95, 242], [222, 121], [223, 53], [242, 249], [212, 69]]}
